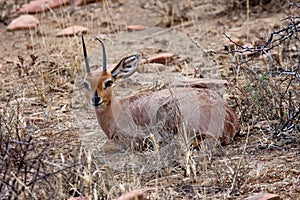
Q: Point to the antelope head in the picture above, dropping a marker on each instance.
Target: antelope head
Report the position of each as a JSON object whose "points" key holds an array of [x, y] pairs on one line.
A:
{"points": [[99, 84]]}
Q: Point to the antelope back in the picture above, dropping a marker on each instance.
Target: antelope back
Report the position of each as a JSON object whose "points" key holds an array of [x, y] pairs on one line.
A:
{"points": [[192, 111]]}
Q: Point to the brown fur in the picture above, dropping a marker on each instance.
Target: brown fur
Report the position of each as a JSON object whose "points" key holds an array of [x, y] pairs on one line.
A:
{"points": [[146, 110], [129, 121]]}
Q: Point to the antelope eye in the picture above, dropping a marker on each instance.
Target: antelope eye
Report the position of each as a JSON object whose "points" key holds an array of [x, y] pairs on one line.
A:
{"points": [[86, 85], [108, 83]]}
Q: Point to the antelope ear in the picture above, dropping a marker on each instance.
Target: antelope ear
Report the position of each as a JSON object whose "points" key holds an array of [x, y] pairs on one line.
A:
{"points": [[126, 67]]}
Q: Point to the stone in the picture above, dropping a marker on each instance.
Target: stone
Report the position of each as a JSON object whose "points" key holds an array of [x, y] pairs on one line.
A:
{"points": [[230, 44], [151, 68], [72, 30], [162, 58], [135, 27], [264, 196], [133, 195], [200, 82], [82, 2], [23, 22], [37, 6]]}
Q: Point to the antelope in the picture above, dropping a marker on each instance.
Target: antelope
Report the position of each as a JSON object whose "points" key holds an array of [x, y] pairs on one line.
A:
{"points": [[162, 114]]}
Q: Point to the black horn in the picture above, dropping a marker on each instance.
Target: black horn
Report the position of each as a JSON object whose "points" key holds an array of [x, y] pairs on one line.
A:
{"points": [[88, 70], [104, 55]]}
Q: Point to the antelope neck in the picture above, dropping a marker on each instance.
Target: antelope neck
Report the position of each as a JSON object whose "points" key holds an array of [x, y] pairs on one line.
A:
{"points": [[106, 117]]}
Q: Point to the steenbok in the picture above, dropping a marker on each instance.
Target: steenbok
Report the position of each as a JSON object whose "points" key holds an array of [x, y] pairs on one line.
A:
{"points": [[162, 115]]}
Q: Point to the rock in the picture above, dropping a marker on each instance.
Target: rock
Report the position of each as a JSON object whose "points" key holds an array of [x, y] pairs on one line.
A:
{"points": [[133, 195], [265, 196], [162, 58], [248, 50], [200, 82], [229, 45], [190, 72], [78, 198], [135, 27], [260, 43], [151, 68], [41, 5], [110, 147], [82, 2], [23, 22], [72, 30]]}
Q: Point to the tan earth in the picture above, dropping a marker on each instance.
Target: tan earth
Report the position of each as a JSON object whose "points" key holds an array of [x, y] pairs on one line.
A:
{"points": [[40, 84]]}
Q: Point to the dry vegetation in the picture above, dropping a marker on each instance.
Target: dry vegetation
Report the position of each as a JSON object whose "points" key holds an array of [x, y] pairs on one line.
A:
{"points": [[45, 152]]}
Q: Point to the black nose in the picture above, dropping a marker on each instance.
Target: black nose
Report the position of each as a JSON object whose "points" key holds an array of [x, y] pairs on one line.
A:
{"points": [[96, 100]]}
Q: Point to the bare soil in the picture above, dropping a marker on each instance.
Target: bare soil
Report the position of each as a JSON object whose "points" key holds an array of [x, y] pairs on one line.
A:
{"points": [[40, 77]]}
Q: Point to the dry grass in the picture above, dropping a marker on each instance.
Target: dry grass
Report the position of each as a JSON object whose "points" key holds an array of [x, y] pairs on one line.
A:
{"points": [[41, 149]]}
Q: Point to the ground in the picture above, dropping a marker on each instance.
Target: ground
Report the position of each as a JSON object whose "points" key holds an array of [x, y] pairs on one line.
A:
{"points": [[41, 101]]}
